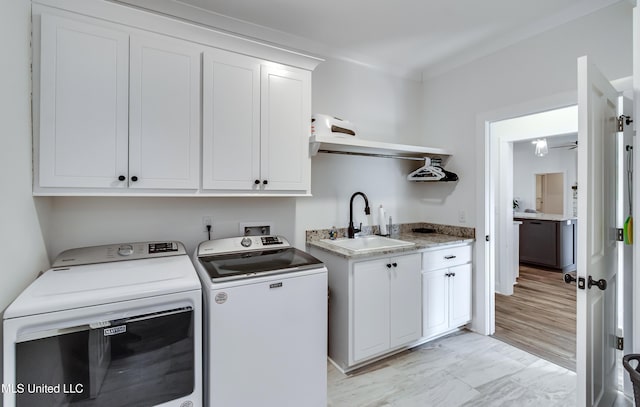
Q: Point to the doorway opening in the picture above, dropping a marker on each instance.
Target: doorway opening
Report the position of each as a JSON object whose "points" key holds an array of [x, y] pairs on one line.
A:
{"points": [[534, 309]]}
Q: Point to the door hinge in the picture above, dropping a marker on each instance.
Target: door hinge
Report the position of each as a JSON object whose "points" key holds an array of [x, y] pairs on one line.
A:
{"points": [[622, 120], [620, 235], [619, 343]]}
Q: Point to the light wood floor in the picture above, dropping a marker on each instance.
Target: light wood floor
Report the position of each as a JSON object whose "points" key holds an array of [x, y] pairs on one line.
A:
{"points": [[540, 316]]}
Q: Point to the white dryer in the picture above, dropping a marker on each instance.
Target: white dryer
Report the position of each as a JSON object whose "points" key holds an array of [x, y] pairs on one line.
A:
{"points": [[116, 325]]}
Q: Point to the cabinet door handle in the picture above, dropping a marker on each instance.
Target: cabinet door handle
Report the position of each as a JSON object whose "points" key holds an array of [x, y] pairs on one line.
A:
{"points": [[388, 265], [122, 178], [535, 223], [452, 274], [394, 264], [265, 182], [451, 256], [447, 275], [134, 178], [256, 182]]}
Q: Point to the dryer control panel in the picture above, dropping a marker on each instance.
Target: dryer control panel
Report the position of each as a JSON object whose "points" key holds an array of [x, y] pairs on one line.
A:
{"points": [[118, 252]]}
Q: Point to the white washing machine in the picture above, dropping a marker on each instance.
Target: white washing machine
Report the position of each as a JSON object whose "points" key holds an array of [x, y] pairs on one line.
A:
{"points": [[116, 325], [265, 323]]}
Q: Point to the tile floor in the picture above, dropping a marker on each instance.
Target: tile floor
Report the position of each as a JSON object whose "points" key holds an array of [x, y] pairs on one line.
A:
{"points": [[463, 369]]}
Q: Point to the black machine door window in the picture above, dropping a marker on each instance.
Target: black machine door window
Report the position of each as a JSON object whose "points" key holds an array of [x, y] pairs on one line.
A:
{"points": [[139, 361]]}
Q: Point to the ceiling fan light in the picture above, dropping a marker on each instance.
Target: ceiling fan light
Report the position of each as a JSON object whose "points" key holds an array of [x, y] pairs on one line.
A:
{"points": [[541, 147]]}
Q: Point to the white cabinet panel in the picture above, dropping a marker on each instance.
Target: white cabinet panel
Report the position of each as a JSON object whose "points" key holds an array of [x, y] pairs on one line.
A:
{"points": [[435, 299], [164, 139], [286, 127], [83, 126], [231, 121], [404, 306], [460, 295], [370, 308]]}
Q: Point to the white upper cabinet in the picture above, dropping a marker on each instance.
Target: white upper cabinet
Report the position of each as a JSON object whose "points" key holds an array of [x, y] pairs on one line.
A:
{"points": [[231, 121], [286, 127], [120, 109], [117, 110], [84, 93], [164, 119], [256, 125]]}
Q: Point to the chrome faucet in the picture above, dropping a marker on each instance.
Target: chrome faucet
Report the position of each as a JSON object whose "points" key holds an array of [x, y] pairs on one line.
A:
{"points": [[351, 232]]}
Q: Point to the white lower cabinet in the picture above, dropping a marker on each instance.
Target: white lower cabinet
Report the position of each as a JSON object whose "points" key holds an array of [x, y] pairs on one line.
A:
{"points": [[374, 306], [386, 304], [446, 290]]}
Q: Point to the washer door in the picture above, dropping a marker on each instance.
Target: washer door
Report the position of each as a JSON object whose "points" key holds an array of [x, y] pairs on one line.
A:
{"points": [[147, 359]]}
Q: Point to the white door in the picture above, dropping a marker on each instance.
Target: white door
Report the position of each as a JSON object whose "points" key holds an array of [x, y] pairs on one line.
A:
{"points": [[596, 306], [231, 121], [370, 308], [84, 91], [404, 299], [286, 127], [164, 138]]}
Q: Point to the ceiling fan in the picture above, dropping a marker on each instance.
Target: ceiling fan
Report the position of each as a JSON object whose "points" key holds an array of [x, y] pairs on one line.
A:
{"points": [[568, 146]]}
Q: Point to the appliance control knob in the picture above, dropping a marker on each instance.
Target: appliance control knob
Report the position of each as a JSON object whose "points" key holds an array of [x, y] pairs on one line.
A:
{"points": [[245, 242], [125, 250]]}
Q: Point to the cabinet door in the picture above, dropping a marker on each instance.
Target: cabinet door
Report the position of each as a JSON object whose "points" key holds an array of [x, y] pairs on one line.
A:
{"points": [[83, 126], [459, 295], [370, 308], [538, 242], [286, 127], [404, 300], [231, 121], [164, 139], [435, 302]]}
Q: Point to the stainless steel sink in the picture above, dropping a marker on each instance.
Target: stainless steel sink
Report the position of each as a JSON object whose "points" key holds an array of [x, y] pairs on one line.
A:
{"points": [[367, 243]]}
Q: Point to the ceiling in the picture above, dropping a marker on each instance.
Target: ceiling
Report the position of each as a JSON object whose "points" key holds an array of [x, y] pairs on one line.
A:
{"points": [[409, 38]]}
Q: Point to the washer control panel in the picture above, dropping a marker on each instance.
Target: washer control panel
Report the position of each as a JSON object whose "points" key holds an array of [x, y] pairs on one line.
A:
{"points": [[241, 244], [118, 252]]}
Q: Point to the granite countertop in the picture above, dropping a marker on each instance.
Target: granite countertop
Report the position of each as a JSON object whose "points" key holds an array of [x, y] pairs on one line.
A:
{"points": [[421, 241], [542, 216]]}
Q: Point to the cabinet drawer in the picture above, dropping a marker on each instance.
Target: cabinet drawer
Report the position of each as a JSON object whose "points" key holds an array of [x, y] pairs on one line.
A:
{"points": [[448, 257]]}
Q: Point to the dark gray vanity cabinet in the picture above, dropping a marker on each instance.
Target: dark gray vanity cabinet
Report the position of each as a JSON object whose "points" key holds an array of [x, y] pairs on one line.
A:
{"points": [[548, 243]]}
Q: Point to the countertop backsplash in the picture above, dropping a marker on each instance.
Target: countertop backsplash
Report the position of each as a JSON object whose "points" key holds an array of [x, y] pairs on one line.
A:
{"points": [[396, 230]]}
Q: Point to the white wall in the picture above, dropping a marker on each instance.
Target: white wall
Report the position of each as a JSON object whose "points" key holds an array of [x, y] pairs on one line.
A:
{"points": [[526, 165], [22, 248], [383, 108], [533, 69]]}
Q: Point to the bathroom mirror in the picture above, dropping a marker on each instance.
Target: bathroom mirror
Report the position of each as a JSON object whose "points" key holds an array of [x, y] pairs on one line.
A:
{"points": [[550, 193]]}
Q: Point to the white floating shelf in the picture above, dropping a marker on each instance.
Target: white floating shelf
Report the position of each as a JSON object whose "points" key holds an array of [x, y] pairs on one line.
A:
{"points": [[356, 146]]}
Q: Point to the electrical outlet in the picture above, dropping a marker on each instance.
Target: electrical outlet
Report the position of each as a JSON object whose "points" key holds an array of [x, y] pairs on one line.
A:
{"points": [[206, 221], [462, 216]]}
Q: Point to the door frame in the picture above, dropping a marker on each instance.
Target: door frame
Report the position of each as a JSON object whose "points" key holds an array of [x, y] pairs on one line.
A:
{"points": [[487, 148], [487, 177]]}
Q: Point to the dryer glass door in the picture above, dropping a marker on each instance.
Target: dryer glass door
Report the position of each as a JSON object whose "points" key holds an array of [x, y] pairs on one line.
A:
{"points": [[143, 360]]}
